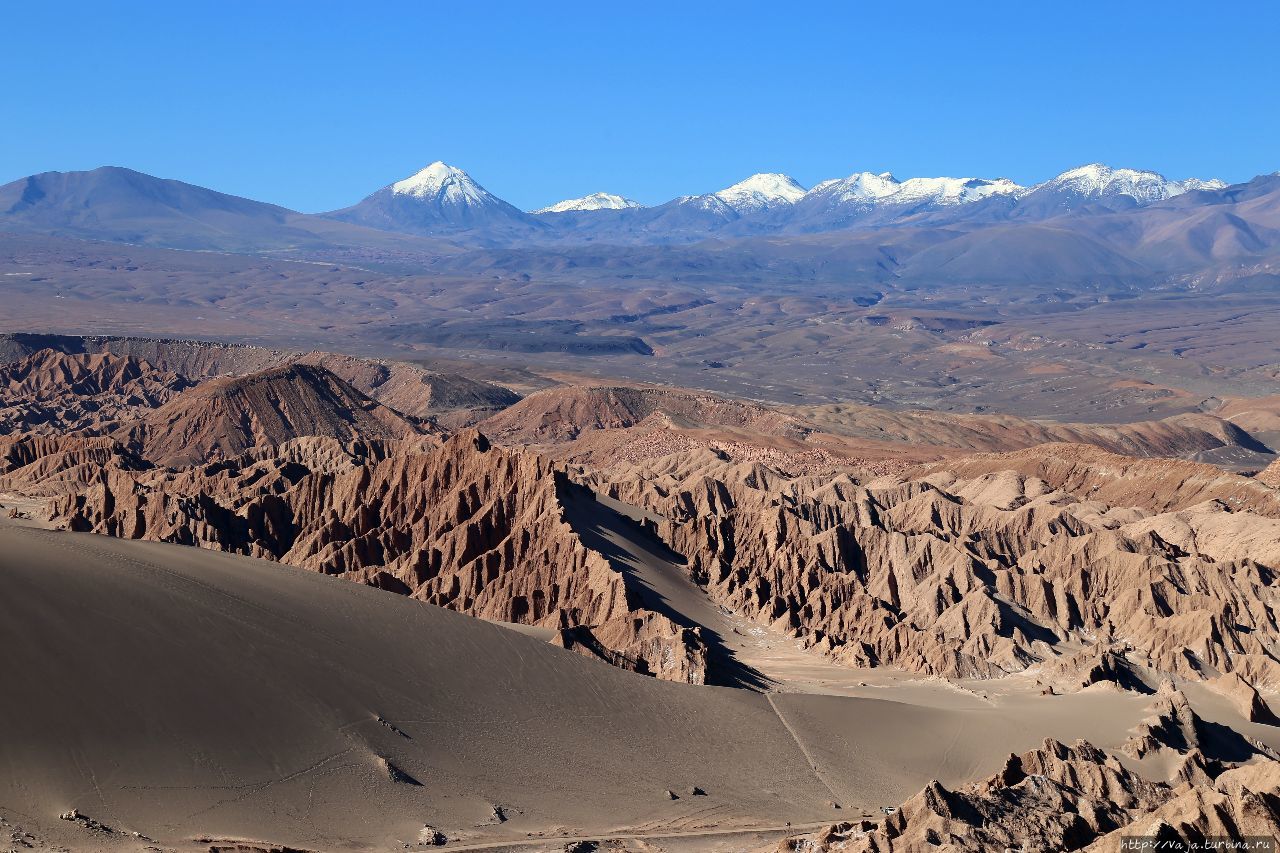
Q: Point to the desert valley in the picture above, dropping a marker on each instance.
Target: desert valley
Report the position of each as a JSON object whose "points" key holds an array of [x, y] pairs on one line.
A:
{"points": [[639, 428], [461, 527]]}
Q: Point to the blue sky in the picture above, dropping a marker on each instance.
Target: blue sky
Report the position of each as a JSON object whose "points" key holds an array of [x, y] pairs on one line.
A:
{"points": [[314, 105]]}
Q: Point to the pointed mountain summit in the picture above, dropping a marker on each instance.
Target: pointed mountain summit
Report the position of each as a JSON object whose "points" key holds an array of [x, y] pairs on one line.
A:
{"points": [[595, 201], [438, 199]]}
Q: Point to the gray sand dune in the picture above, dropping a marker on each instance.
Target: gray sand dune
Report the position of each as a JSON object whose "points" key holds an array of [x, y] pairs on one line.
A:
{"points": [[181, 693], [187, 694]]}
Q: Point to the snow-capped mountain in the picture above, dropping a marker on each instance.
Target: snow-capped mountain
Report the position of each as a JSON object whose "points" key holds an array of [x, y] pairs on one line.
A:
{"points": [[438, 199], [762, 191], [445, 184], [595, 201], [1096, 181], [860, 188], [868, 189], [442, 199], [757, 194]]}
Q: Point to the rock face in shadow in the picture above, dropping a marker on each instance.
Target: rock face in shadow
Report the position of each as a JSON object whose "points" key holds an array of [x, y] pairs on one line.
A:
{"points": [[1173, 724], [645, 642], [1246, 699], [413, 391], [463, 525], [225, 417], [972, 577]]}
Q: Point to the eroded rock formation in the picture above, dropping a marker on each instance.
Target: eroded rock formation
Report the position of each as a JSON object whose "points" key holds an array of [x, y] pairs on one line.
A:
{"points": [[1061, 797], [52, 393], [463, 525], [976, 577]]}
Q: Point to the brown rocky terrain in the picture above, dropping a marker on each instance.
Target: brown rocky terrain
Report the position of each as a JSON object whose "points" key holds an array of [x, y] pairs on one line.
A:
{"points": [[601, 425], [1001, 573], [414, 391], [1064, 566], [222, 418], [410, 389], [50, 392], [1157, 485], [1061, 797], [43, 466], [1179, 435]]}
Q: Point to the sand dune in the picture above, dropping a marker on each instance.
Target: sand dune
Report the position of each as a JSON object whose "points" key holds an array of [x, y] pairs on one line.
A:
{"points": [[222, 697]]}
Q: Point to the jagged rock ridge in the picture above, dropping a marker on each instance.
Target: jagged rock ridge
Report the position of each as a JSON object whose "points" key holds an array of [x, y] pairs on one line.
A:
{"points": [[462, 525]]}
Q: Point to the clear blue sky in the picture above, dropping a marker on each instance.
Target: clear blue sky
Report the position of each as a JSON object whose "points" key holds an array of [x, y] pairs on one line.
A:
{"points": [[314, 105]]}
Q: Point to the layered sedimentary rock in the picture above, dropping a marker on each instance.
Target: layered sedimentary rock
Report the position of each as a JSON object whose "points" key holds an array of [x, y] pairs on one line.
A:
{"points": [[50, 392], [563, 414], [465, 525], [223, 418], [973, 577]]}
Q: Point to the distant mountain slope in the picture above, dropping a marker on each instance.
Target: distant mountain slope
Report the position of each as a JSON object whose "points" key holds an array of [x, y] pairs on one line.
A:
{"points": [[124, 206], [1093, 225]]}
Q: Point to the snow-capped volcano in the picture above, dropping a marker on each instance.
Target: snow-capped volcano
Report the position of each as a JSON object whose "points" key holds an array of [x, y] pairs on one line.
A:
{"points": [[1097, 181], [595, 201], [446, 184], [437, 199], [761, 192]]}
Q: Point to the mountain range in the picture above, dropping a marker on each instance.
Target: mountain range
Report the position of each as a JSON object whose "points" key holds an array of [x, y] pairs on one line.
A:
{"points": [[443, 199], [1087, 225]]}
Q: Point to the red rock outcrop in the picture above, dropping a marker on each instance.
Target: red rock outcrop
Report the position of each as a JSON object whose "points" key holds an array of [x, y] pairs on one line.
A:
{"points": [[44, 466]]}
